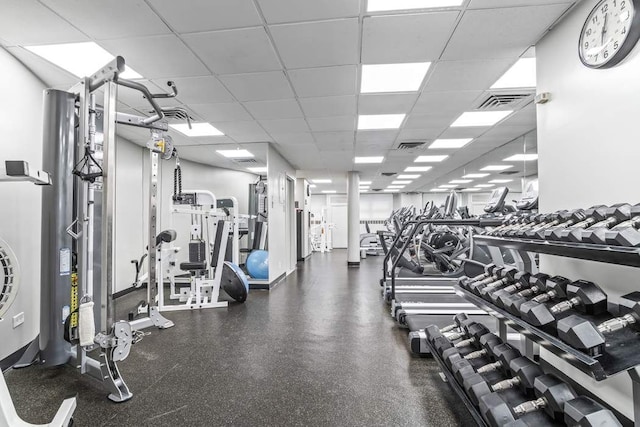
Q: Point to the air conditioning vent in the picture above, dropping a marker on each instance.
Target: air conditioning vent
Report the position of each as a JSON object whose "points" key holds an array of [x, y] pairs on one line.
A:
{"points": [[498, 101], [389, 173], [376, 189], [509, 173], [410, 145], [245, 161]]}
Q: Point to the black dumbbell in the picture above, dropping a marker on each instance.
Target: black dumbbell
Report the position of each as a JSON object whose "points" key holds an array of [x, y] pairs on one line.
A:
{"points": [[583, 296], [462, 322], [506, 273], [551, 393], [593, 215], [458, 319], [568, 219], [470, 286], [596, 233], [512, 303], [504, 354], [488, 271], [584, 335], [555, 288], [462, 369], [509, 222], [509, 279], [524, 374], [521, 281], [441, 343], [554, 219], [486, 342], [516, 223], [521, 287], [612, 216], [585, 412], [626, 233], [537, 221]]}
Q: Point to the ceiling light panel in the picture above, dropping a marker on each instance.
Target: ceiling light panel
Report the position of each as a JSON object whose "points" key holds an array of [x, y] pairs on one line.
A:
{"points": [[476, 175], [437, 190], [485, 185], [496, 168], [521, 74], [387, 5], [429, 159], [365, 182], [383, 78], [368, 160], [408, 176], [401, 182], [262, 169], [390, 190], [380, 121], [235, 154], [500, 181], [449, 186], [418, 169], [197, 129], [480, 118], [80, 59], [449, 143], [469, 190], [395, 186], [522, 158], [322, 181], [329, 191], [460, 181]]}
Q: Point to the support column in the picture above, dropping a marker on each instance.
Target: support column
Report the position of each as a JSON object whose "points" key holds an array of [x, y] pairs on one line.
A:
{"points": [[353, 219]]}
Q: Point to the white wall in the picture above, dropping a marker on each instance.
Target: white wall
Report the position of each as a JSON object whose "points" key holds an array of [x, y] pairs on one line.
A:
{"points": [[279, 236], [20, 209], [588, 154]]}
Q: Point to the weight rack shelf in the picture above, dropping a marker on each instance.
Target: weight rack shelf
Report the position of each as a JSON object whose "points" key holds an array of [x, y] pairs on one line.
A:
{"points": [[610, 254], [622, 351], [456, 387]]}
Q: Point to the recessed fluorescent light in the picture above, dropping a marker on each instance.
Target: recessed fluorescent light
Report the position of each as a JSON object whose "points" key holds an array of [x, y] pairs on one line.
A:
{"points": [[496, 168], [235, 154], [393, 77], [476, 175], [521, 74], [364, 160], [380, 121], [480, 118], [522, 158], [429, 159], [197, 129], [365, 182], [329, 191], [449, 143], [402, 182], [468, 190], [395, 186], [386, 5], [80, 59], [408, 176], [460, 181], [449, 186], [363, 190], [437, 190], [312, 186], [390, 190], [322, 181], [418, 169], [500, 181], [485, 185], [261, 169]]}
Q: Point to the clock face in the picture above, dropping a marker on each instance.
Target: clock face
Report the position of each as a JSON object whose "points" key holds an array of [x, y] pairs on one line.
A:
{"points": [[609, 34]]}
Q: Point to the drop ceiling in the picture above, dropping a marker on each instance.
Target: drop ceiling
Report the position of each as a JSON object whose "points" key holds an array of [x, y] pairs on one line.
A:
{"points": [[287, 72]]}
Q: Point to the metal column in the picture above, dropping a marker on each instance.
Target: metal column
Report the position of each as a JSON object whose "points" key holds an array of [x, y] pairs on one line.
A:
{"points": [[353, 219]]}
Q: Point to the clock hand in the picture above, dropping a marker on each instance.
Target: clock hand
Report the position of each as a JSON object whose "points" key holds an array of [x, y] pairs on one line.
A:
{"points": [[604, 28]]}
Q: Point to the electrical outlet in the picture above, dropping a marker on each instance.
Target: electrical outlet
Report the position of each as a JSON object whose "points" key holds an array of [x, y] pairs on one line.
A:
{"points": [[18, 320]]}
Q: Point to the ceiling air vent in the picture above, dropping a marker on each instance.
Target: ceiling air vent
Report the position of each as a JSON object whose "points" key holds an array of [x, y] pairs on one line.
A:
{"points": [[501, 100], [509, 173], [388, 173], [244, 161], [410, 145], [376, 189]]}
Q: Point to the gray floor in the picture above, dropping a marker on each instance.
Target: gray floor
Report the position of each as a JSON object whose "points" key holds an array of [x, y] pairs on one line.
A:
{"points": [[320, 350]]}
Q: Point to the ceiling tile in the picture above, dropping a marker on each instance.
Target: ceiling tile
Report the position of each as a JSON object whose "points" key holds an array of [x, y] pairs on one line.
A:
{"points": [[333, 138], [457, 101], [425, 121], [244, 131], [329, 106], [226, 112], [144, 55], [45, 70], [406, 38], [279, 11], [135, 99], [280, 109], [317, 44], [258, 86], [328, 124], [285, 125], [27, 22], [207, 15], [300, 138], [244, 50], [376, 136], [200, 90], [464, 132], [501, 33], [493, 4], [325, 81], [386, 103], [117, 18], [466, 75], [421, 134]]}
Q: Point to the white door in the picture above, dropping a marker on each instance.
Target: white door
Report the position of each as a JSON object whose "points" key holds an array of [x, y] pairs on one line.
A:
{"points": [[339, 221]]}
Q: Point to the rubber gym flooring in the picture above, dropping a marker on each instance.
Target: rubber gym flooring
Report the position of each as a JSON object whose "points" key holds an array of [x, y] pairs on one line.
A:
{"points": [[320, 349]]}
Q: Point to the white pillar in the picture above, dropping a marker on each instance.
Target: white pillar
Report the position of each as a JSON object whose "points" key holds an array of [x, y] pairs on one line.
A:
{"points": [[353, 219]]}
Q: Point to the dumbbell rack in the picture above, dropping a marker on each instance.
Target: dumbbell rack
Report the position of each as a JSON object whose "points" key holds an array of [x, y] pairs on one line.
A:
{"points": [[622, 352]]}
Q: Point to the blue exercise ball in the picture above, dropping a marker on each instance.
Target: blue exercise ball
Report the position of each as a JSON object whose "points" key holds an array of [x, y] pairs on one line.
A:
{"points": [[258, 264]]}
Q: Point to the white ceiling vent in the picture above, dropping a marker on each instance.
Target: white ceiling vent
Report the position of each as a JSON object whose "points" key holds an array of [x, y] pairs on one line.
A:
{"points": [[410, 145], [245, 161], [498, 101]]}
